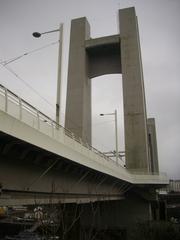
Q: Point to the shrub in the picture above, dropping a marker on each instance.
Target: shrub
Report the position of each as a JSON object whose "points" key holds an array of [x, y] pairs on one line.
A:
{"points": [[155, 231]]}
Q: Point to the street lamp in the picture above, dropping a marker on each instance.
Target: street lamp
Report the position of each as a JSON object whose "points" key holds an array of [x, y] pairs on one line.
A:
{"points": [[58, 97], [116, 131]]}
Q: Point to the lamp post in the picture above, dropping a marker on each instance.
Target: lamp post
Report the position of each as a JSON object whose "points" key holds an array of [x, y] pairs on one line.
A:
{"points": [[116, 131], [59, 74]]}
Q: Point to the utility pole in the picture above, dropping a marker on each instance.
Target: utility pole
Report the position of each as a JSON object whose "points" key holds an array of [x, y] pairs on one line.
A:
{"points": [[116, 132], [59, 76], [59, 73]]}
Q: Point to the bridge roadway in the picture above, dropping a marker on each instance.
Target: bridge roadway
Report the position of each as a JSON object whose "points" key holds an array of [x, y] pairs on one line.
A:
{"points": [[42, 162]]}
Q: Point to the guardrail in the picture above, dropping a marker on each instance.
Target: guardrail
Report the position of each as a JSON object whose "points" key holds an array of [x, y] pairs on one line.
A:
{"points": [[28, 114], [8, 102]]}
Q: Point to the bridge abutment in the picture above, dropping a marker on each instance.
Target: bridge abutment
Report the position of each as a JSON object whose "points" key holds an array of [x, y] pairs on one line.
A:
{"points": [[115, 218]]}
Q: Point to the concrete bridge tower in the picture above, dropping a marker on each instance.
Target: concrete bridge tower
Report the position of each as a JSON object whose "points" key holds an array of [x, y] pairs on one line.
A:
{"points": [[89, 58]]}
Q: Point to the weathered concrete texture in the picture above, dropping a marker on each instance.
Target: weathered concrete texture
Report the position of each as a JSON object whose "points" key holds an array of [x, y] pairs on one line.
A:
{"points": [[153, 152], [113, 54], [78, 103], [123, 214], [136, 144], [104, 55], [28, 172]]}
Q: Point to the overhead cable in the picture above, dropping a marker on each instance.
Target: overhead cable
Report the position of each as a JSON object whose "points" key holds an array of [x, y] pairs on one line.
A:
{"points": [[28, 85], [5, 62]]}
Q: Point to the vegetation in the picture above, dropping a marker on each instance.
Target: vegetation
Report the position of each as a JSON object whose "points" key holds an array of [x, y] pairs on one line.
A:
{"points": [[156, 231]]}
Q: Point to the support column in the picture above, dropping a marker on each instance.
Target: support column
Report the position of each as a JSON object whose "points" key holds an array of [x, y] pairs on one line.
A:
{"points": [[78, 102], [136, 144], [154, 166]]}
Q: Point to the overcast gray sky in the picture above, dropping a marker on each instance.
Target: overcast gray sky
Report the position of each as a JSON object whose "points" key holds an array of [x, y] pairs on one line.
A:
{"points": [[159, 27]]}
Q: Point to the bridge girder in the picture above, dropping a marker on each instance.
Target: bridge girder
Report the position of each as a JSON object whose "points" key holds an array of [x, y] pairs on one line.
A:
{"points": [[36, 175]]}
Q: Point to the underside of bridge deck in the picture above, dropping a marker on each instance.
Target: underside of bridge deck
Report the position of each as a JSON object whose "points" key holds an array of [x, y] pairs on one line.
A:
{"points": [[29, 173]]}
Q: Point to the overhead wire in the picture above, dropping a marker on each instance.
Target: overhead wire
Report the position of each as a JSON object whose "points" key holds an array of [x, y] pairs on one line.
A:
{"points": [[51, 105], [28, 85], [5, 62], [102, 123]]}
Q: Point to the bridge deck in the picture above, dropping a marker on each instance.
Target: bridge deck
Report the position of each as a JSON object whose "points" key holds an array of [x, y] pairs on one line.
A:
{"points": [[22, 121], [22, 124]]}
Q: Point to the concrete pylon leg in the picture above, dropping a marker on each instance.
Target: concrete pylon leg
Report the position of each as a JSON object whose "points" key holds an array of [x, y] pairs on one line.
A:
{"points": [[154, 166], [136, 144], [78, 102]]}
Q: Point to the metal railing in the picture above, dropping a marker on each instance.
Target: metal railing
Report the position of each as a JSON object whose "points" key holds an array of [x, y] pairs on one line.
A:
{"points": [[28, 114], [8, 101]]}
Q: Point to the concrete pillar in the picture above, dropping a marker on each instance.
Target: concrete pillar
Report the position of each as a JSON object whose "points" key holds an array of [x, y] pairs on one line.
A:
{"points": [[153, 153], [136, 144], [78, 101], [113, 215]]}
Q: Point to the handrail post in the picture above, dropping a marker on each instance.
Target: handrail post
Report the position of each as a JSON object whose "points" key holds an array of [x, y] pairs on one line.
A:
{"points": [[73, 136], [87, 146], [116, 136], [80, 140], [6, 99], [38, 120], [20, 108], [52, 128]]}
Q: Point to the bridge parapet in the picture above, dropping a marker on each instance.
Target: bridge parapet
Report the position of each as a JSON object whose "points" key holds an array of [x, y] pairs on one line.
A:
{"points": [[25, 112], [23, 121]]}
